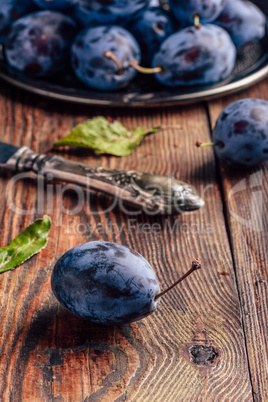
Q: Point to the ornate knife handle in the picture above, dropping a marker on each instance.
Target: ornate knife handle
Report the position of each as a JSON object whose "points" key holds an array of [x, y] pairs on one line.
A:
{"points": [[151, 193]]}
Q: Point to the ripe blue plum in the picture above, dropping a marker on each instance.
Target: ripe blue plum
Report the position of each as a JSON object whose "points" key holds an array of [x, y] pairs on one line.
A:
{"points": [[105, 283], [59, 5], [206, 10], [92, 12], [10, 11], [94, 68], [244, 21], [39, 43], [241, 133], [195, 56], [150, 29]]}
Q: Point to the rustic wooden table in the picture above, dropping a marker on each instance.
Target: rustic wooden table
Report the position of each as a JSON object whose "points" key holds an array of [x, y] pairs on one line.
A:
{"points": [[209, 338]]}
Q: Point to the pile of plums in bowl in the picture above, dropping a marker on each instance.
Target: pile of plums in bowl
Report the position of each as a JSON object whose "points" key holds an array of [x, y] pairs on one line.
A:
{"points": [[185, 43]]}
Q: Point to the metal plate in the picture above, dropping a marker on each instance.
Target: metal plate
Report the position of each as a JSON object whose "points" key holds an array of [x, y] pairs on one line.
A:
{"points": [[144, 91]]}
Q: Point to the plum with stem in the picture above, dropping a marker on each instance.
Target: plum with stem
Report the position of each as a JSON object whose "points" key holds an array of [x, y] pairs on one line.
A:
{"points": [[101, 57], [198, 55], [240, 136], [186, 11], [151, 28], [108, 283]]}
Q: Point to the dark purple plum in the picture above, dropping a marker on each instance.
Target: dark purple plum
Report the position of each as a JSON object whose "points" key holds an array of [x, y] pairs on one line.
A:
{"points": [[59, 5], [105, 283], [92, 12], [186, 10], [195, 56], [241, 133], [96, 70], [10, 11], [39, 43], [244, 21], [150, 29]]}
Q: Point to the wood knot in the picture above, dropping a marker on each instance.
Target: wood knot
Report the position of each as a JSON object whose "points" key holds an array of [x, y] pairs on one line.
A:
{"points": [[202, 355]]}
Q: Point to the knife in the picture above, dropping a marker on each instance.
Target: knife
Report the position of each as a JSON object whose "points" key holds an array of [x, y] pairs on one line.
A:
{"points": [[151, 193]]}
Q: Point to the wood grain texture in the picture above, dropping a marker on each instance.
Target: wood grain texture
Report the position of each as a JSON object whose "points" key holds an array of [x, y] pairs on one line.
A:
{"points": [[245, 196], [192, 348]]}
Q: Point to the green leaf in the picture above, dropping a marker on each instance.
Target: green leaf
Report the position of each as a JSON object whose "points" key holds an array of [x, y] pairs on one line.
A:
{"points": [[105, 138], [28, 243]]}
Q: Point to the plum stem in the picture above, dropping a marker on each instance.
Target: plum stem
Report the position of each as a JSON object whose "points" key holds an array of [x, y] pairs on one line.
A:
{"points": [[110, 55], [197, 23], [196, 264], [145, 70], [200, 144]]}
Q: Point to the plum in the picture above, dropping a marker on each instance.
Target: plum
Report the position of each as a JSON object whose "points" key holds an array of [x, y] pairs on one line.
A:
{"points": [[240, 136], [105, 283], [194, 56], [150, 29], [60, 5], [108, 283], [10, 11], [39, 43], [242, 133], [244, 21], [185, 10], [101, 57], [112, 12]]}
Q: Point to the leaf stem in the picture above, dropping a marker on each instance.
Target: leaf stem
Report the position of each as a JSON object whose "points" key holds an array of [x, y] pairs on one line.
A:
{"points": [[196, 264], [171, 126]]}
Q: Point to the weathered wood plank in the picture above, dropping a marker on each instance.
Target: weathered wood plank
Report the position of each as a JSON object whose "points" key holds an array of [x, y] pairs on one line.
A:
{"points": [[192, 348], [246, 204]]}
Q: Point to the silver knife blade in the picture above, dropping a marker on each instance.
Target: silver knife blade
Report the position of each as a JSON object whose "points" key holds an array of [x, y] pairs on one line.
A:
{"points": [[151, 193]]}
